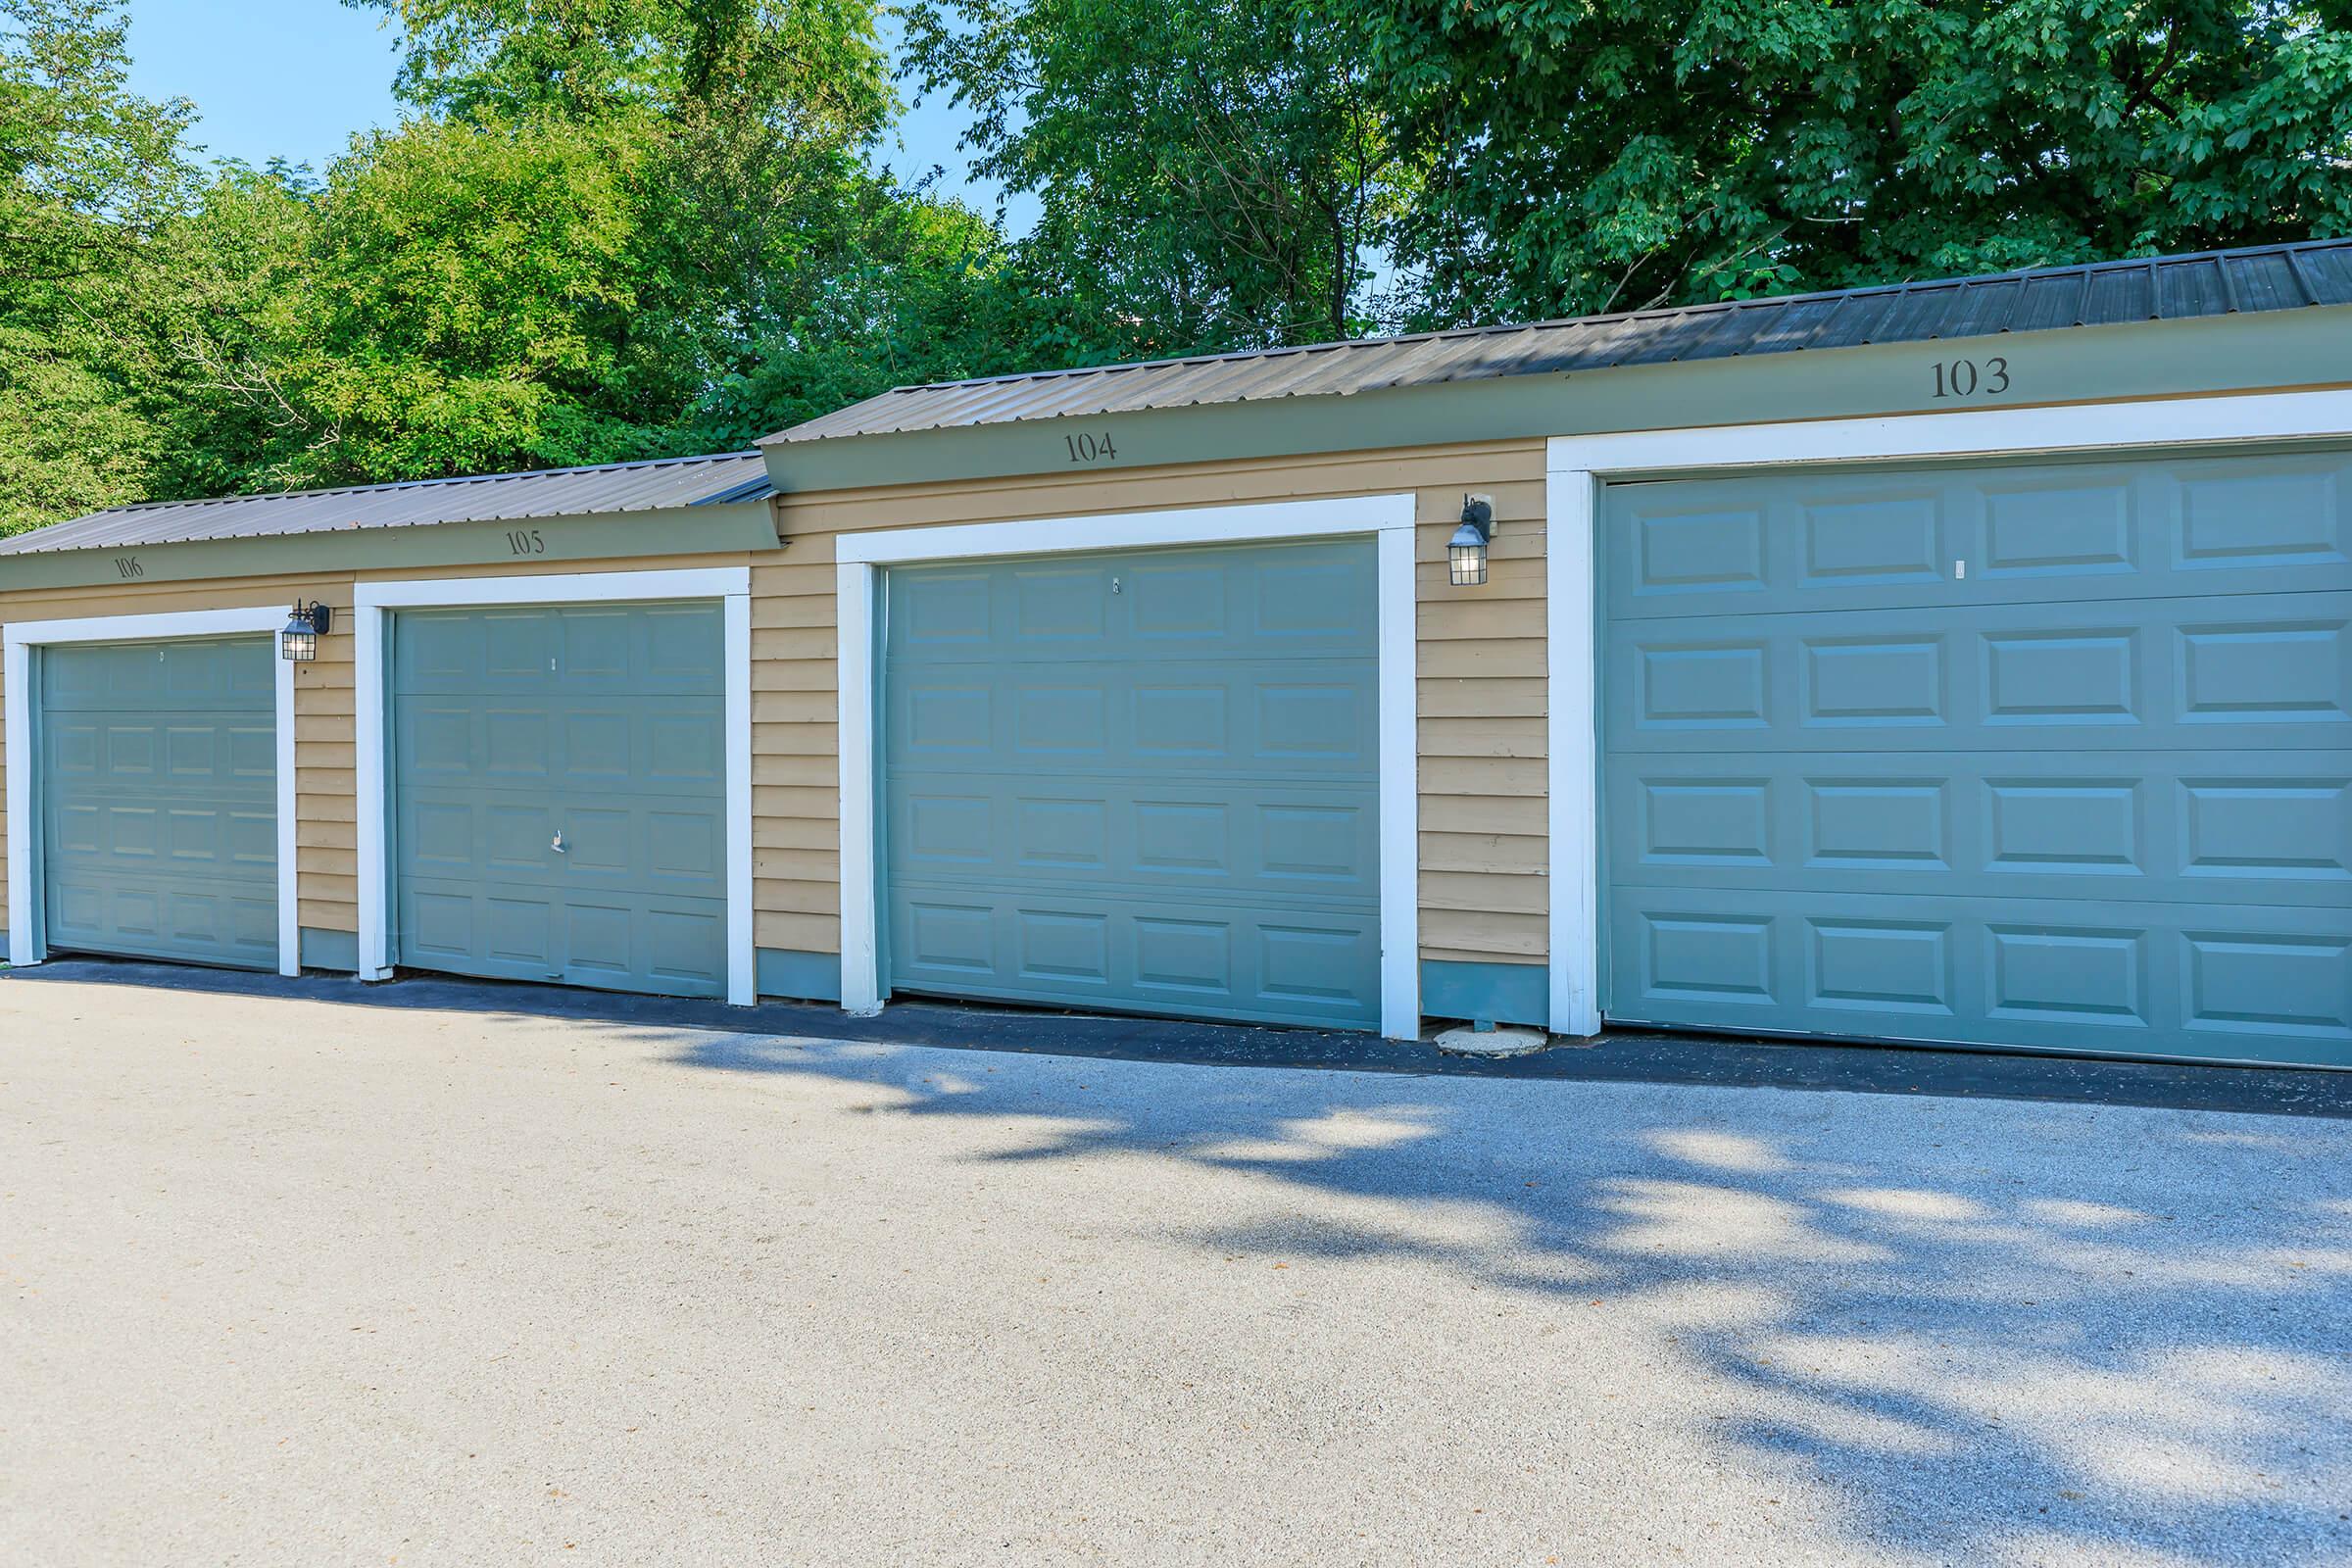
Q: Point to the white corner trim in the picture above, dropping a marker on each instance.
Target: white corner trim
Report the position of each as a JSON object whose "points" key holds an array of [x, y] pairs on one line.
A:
{"points": [[1399, 677], [853, 652], [17, 638], [371, 600], [1132, 530], [1573, 813], [1577, 466], [1390, 517]]}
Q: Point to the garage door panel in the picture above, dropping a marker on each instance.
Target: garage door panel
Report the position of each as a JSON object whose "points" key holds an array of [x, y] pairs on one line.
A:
{"points": [[1144, 781], [2081, 975], [2187, 827], [1243, 840], [158, 803], [2042, 533], [619, 748], [2094, 793], [2263, 671], [1131, 953], [1316, 716]]}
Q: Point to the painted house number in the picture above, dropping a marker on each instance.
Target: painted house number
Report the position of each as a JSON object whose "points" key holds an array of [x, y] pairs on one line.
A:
{"points": [[1965, 379], [128, 567], [1090, 448], [525, 542]]}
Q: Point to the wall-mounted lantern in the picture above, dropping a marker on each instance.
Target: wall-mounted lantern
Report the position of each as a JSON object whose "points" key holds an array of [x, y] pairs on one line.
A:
{"points": [[1466, 551], [307, 623]]}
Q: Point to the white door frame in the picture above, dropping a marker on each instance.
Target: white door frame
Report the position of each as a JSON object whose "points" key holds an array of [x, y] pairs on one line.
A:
{"points": [[373, 606], [1577, 466], [860, 557], [26, 945]]}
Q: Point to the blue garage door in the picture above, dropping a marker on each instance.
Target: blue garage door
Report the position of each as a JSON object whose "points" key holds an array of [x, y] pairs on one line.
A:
{"points": [[2050, 755], [159, 800], [1143, 782], [560, 780]]}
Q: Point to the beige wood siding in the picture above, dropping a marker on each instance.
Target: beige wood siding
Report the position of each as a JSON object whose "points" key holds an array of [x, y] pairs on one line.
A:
{"points": [[1480, 669]]}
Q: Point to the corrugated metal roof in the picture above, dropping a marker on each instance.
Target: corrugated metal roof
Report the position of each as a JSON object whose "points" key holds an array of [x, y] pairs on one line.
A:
{"points": [[485, 497], [2270, 277]]}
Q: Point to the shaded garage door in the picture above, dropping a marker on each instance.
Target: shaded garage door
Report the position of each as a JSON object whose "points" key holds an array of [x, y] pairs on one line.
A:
{"points": [[560, 787], [159, 800], [1143, 782], [2087, 791]]}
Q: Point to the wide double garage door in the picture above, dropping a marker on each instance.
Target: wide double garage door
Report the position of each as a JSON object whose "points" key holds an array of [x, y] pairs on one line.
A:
{"points": [[1143, 782], [157, 796], [2055, 755], [559, 794]]}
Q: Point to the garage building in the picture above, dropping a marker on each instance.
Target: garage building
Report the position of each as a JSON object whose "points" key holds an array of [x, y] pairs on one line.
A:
{"points": [[1958, 662]]}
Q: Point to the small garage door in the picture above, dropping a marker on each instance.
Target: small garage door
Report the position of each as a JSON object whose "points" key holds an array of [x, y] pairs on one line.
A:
{"points": [[2050, 755], [560, 786], [1143, 782], [159, 800]]}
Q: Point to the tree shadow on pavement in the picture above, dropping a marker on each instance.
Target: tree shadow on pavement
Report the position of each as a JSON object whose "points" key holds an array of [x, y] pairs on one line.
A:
{"points": [[1990, 1329]]}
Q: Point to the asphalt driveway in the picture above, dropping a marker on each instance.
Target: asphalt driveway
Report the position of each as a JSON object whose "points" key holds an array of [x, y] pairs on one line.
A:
{"points": [[292, 1282]]}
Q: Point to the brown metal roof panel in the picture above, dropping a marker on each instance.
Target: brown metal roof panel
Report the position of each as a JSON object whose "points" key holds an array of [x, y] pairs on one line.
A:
{"points": [[1740, 327]]}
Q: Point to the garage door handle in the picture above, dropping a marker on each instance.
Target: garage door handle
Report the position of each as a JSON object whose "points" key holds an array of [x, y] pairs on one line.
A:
{"points": [[558, 845]]}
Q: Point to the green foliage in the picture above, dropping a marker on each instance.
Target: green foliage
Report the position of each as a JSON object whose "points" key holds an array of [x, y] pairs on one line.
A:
{"points": [[88, 175], [1213, 173], [614, 228], [1585, 155]]}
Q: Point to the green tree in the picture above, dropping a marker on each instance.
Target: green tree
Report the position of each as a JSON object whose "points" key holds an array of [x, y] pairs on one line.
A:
{"points": [[1583, 155], [89, 177], [1213, 173]]}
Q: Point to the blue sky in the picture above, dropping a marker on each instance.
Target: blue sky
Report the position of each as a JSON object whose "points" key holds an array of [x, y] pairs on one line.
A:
{"points": [[295, 78]]}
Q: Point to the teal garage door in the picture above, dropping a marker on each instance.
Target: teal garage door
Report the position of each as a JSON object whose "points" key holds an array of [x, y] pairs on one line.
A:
{"points": [[2055, 756], [159, 800], [1142, 782], [560, 795]]}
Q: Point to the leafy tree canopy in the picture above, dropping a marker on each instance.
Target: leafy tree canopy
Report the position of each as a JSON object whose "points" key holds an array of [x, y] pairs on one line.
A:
{"points": [[1585, 155]]}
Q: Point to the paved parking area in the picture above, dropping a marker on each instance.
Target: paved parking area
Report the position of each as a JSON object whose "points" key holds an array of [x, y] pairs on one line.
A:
{"points": [[286, 1281]]}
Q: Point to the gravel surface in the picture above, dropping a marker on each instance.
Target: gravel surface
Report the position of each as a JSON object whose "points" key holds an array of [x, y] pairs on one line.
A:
{"points": [[291, 1282]]}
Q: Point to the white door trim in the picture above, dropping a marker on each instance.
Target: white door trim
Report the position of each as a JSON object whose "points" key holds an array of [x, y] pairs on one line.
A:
{"points": [[859, 558], [372, 604], [1577, 466], [25, 947]]}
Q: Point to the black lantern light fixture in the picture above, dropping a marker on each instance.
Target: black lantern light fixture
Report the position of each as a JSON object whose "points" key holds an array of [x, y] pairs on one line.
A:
{"points": [[1466, 551], [307, 623]]}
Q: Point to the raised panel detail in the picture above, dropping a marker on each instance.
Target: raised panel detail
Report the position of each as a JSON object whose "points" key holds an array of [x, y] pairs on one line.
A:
{"points": [[1720, 958], [2289, 671], [1702, 550], [2083, 825], [1889, 682], [2088, 976], [1878, 541], [1902, 966], [1060, 945], [2263, 519], [1711, 687], [2245, 981], [1895, 824], [2269, 827], [1706, 821], [2059, 677], [2059, 531]]}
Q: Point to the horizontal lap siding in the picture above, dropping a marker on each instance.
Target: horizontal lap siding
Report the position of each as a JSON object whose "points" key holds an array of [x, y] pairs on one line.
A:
{"points": [[1481, 676]]}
